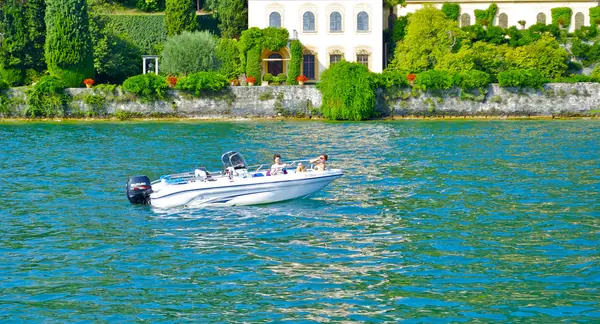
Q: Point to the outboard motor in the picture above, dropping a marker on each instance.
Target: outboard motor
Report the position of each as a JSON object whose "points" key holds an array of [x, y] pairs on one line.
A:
{"points": [[139, 189]]}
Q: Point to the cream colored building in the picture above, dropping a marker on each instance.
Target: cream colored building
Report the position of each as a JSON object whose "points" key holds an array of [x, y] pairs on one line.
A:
{"points": [[510, 12], [328, 30], [352, 29]]}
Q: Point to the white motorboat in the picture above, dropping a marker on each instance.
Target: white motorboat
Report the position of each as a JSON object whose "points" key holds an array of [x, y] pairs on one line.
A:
{"points": [[236, 184]]}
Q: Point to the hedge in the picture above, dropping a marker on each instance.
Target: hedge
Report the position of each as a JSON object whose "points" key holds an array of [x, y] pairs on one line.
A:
{"points": [[295, 62], [148, 32], [524, 78]]}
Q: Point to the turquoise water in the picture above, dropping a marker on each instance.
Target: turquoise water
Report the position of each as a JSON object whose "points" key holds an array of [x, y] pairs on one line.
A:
{"points": [[434, 221]]}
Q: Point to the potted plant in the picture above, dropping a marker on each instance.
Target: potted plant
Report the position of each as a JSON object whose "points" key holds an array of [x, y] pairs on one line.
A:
{"points": [[411, 78], [172, 80], [301, 79], [268, 77], [234, 82], [522, 23], [280, 78], [88, 83], [250, 80]]}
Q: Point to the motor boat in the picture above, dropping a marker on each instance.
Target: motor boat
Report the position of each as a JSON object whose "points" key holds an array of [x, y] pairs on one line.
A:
{"points": [[235, 185]]}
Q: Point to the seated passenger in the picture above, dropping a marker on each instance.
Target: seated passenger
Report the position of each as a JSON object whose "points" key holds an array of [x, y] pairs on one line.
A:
{"points": [[300, 168], [320, 162], [278, 167]]}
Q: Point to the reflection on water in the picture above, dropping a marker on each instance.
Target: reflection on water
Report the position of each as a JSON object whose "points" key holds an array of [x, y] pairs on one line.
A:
{"points": [[433, 221]]}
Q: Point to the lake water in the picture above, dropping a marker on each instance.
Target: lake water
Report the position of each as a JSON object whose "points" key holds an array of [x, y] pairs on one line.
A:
{"points": [[434, 221]]}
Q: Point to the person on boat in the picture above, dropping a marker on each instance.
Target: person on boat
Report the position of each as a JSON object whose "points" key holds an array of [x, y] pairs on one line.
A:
{"points": [[278, 167], [319, 162]]}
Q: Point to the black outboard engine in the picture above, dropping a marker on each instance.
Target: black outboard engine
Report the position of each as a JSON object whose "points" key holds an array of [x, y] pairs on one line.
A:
{"points": [[139, 189]]}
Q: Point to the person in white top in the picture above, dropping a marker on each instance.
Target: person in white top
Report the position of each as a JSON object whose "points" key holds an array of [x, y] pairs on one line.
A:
{"points": [[278, 167]]}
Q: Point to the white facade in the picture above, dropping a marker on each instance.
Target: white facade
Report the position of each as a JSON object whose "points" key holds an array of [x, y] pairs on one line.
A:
{"points": [[515, 10], [348, 29]]}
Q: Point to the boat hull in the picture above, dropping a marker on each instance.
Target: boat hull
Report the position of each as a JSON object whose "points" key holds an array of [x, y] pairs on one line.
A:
{"points": [[242, 191]]}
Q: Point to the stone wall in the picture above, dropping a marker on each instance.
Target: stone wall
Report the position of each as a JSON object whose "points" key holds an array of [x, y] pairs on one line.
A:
{"points": [[558, 99], [555, 99]]}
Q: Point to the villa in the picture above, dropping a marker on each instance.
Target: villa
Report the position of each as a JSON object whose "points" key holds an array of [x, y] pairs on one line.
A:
{"points": [[352, 29]]}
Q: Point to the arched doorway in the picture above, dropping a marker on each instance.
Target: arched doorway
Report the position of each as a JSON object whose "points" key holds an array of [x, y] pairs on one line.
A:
{"points": [[275, 64]]}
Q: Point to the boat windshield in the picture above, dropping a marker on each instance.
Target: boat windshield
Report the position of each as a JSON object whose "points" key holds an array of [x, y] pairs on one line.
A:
{"points": [[233, 159]]}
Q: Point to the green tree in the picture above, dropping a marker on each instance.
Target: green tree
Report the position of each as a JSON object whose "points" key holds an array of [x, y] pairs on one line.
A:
{"points": [[68, 49], [430, 36], [36, 26], [232, 16], [295, 62], [545, 55], [452, 10], [348, 91], [14, 45], [180, 16], [190, 52]]}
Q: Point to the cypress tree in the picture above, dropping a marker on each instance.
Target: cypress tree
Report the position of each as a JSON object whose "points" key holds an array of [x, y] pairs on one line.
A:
{"points": [[69, 52], [180, 15], [36, 10], [14, 42]]}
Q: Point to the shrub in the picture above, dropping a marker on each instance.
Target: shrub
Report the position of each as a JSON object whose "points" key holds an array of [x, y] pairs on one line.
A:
{"points": [[69, 52], [281, 77], [545, 55], [268, 77], [389, 79], [433, 80], [295, 61], [189, 53], [47, 98], [150, 5], [180, 16], [473, 79], [452, 10], [147, 87], [596, 71], [203, 83], [561, 16], [4, 85], [228, 55], [348, 92], [522, 78]]}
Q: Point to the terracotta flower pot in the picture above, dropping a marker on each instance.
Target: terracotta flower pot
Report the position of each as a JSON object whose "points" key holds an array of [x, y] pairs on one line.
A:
{"points": [[88, 86], [301, 82], [250, 84]]}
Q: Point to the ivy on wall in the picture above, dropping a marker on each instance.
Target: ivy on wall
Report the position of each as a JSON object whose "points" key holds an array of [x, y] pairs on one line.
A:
{"points": [[295, 62], [486, 17], [595, 15], [561, 16], [452, 10]]}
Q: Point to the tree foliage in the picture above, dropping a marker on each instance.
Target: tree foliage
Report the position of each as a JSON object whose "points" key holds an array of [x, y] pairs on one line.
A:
{"points": [[429, 37], [36, 27], [68, 50], [203, 83], [189, 53], [546, 55], [595, 15], [13, 53], [521, 78], [232, 16], [348, 92], [180, 16]]}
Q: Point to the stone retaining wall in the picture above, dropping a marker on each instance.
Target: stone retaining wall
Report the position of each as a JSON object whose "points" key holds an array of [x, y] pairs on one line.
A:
{"points": [[558, 99]]}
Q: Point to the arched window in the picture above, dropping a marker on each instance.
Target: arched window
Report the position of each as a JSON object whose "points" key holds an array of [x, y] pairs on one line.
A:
{"points": [[308, 22], [503, 20], [274, 19], [362, 21], [465, 20], [335, 22], [541, 18], [578, 20], [275, 64]]}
